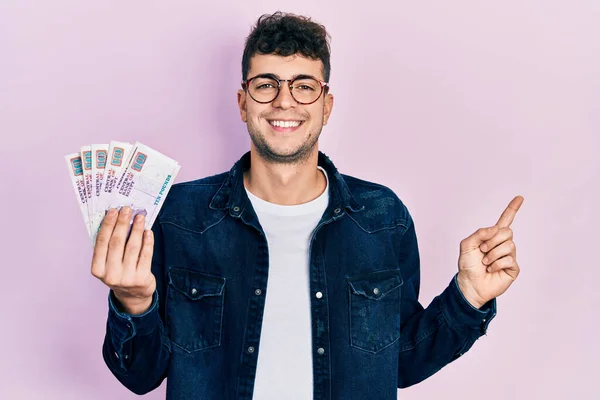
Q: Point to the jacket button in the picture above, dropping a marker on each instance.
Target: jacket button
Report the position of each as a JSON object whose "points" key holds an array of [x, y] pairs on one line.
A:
{"points": [[194, 292], [321, 350], [236, 209], [319, 295], [258, 292], [337, 211], [376, 291], [250, 349]]}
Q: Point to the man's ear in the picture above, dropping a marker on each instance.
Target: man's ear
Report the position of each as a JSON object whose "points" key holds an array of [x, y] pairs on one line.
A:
{"points": [[241, 98], [327, 107]]}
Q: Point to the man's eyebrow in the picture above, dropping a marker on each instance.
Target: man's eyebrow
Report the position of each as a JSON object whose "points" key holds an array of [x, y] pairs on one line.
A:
{"points": [[303, 76], [267, 75]]}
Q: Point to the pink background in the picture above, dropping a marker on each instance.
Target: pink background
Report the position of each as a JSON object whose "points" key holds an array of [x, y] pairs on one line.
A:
{"points": [[457, 106]]}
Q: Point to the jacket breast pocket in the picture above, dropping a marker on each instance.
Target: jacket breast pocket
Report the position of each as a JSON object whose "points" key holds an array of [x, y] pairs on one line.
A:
{"points": [[374, 301], [194, 314]]}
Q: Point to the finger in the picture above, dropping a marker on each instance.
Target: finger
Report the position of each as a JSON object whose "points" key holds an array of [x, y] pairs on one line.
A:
{"points": [[502, 236], [507, 265], [134, 243], [508, 215], [116, 245], [507, 262], [101, 247], [502, 250], [475, 240], [145, 261]]}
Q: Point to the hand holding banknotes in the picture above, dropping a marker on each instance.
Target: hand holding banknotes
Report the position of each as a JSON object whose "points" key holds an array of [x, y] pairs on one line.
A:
{"points": [[123, 264], [134, 179]]}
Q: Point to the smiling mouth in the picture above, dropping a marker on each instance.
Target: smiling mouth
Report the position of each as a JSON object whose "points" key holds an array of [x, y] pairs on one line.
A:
{"points": [[285, 126]]}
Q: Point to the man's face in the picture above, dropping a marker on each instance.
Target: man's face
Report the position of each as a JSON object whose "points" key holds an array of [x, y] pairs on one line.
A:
{"points": [[285, 131]]}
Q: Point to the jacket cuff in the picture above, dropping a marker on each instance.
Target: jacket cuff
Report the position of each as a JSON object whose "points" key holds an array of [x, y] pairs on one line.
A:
{"points": [[461, 315], [125, 326]]}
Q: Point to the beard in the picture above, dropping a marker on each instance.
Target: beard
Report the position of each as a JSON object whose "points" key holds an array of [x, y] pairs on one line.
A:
{"points": [[288, 156]]}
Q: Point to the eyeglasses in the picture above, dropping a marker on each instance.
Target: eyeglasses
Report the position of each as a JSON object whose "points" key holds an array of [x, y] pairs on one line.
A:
{"points": [[264, 88]]}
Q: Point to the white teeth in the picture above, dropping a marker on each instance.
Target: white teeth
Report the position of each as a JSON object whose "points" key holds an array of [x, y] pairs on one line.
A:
{"points": [[285, 124]]}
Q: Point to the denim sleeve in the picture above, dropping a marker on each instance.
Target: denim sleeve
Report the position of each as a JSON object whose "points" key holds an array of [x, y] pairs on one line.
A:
{"points": [[136, 348], [434, 336]]}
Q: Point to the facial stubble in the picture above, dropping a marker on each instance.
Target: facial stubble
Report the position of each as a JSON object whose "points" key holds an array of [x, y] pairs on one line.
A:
{"points": [[270, 155]]}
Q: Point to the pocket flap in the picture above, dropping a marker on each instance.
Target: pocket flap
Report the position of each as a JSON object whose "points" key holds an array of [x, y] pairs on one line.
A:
{"points": [[375, 285], [195, 284]]}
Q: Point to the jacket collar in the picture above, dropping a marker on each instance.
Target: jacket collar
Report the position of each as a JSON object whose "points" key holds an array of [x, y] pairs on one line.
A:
{"points": [[232, 195]]}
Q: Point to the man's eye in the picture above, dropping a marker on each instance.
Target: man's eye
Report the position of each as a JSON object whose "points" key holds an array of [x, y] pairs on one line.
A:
{"points": [[265, 86], [305, 87]]}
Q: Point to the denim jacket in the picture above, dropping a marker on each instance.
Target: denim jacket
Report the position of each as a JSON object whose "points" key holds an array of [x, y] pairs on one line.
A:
{"points": [[370, 334]]}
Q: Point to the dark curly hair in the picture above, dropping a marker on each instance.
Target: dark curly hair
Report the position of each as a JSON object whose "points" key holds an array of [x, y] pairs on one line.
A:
{"points": [[286, 34]]}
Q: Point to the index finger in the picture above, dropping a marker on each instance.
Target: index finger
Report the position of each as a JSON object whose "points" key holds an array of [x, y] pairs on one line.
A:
{"points": [[508, 215], [101, 246]]}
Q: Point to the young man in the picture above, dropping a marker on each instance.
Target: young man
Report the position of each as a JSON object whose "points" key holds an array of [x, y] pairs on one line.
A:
{"points": [[282, 278]]}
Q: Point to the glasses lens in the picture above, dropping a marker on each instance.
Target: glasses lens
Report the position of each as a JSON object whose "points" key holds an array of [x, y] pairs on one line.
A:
{"points": [[263, 89], [306, 90]]}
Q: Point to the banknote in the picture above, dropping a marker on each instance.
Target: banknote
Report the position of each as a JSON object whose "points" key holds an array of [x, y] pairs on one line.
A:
{"points": [[145, 182], [117, 155], [75, 166], [86, 159], [99, 156], [119, 174]]}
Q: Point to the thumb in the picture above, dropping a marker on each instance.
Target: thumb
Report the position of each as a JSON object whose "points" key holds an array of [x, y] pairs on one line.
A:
{"points": [[480, 236]]}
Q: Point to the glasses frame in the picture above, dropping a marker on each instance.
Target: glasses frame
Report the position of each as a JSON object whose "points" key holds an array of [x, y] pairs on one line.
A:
{"points": [[246, 83]]}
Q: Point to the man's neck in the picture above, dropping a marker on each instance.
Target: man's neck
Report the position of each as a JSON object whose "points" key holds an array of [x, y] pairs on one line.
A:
{"points": [[285, 184]]}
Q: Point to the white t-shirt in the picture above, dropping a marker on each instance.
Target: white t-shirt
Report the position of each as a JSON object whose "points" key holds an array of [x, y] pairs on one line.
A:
{"points": [[284, 369]]}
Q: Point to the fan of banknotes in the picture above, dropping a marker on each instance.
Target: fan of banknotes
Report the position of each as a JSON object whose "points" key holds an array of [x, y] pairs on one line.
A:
{"points": [[120, 174]]}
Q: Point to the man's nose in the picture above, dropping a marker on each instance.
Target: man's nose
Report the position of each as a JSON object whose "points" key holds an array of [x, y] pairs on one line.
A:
{"points": [[284, 98]]}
